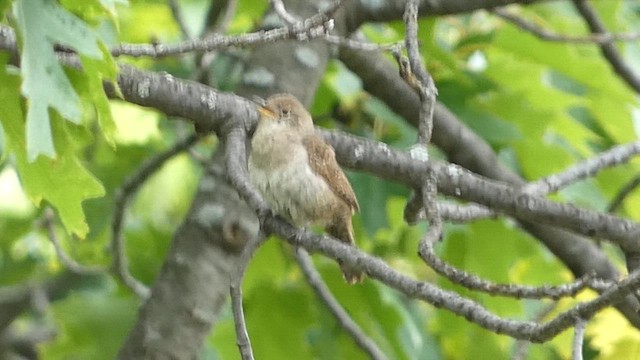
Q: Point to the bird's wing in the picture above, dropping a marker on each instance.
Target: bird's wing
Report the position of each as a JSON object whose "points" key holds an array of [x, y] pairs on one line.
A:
{"points": [[322, 160]]}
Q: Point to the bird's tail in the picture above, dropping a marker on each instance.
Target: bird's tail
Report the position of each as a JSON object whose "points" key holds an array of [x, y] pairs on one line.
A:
{"points": [[342, 229]]}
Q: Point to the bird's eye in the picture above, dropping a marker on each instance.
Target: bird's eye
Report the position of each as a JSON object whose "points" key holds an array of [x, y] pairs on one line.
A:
{"points": [[285, 112]]}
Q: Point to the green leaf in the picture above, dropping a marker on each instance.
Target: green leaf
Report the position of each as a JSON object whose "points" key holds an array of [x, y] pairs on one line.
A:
{"points": [[43, 23], [64, 182], [93, 10], [90, 86]]}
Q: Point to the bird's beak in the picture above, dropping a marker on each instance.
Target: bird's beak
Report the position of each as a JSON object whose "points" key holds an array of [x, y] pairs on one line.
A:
{"points": [[265, 112]]}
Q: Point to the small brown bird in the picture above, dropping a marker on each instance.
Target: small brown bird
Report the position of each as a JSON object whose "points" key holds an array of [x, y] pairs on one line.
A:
{"points": [[298, 175]]}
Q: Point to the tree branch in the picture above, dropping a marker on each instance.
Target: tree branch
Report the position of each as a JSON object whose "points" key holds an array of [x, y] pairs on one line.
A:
{"points": [[617, 155], [622, 194], [425, 291], [609, 50], [324, 294], [123, 194], [473, 282], [466, 148], [242, 337], [194, 282], [578, 339], [315, 26], [65, 259], [357, 13], [545, 34]]}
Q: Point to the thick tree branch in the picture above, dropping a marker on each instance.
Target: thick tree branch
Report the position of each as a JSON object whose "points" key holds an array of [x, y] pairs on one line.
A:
{"points": [[181, 284], [380, 160], [357, 13], [472, 311], [514, 203], [466, 148], [195, 279], [461, 213]]}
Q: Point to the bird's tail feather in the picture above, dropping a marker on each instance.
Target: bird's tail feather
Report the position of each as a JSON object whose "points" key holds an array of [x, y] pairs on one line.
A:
{"points": [[342, 230]]}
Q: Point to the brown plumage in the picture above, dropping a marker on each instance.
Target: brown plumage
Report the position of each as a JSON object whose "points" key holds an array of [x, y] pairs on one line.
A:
{"points": [[297, 173]]}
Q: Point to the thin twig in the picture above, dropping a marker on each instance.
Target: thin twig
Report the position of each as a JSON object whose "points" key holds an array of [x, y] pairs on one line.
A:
{"points": [[176, 11], [545, 34], [130, 185], [416, 75], [65, 259], [311, 28], [279, 8], [522, 346], [341, 41], [578, 339], [242, 337], [229, 11], [474, 282], [609, 50], [615, 156], [324, 294], [471, 310], [623, 193], [214, 25]]}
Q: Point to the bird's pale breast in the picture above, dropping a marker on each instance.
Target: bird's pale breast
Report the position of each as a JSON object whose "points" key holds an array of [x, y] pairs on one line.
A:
{"points": [[287, 182]]}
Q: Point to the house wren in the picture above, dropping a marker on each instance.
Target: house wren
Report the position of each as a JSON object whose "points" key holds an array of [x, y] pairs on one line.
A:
{"points": [[298, 175]]}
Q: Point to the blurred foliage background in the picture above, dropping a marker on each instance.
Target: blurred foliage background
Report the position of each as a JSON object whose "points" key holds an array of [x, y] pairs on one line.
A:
{"points": [[541, 105]]}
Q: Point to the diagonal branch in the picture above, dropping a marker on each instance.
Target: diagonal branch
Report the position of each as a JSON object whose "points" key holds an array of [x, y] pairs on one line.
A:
{"points": [[615, 156], [609, 50], [123, 194], [68, 262], [324, 294], [623, 193], [545, 34]]}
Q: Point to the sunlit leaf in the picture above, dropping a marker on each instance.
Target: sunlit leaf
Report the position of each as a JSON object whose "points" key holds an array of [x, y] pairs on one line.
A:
{"points": [[43, 23], [64, 182]]}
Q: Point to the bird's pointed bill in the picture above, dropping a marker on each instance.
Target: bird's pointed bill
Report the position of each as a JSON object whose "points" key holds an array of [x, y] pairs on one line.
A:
{"points": [[266, 112]]}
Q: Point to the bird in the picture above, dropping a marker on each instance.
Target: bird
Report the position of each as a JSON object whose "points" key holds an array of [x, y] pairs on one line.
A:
{"points": [[296, 172]]}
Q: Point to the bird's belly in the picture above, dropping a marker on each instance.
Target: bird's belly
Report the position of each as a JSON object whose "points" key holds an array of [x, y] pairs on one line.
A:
{"points": [[294, 191]]}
